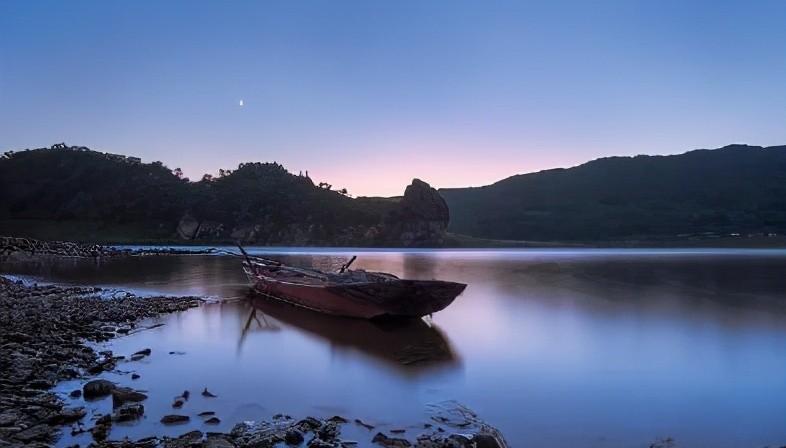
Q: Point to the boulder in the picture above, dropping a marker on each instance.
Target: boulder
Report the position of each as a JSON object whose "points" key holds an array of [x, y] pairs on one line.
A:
{"points": [[97, 388]]}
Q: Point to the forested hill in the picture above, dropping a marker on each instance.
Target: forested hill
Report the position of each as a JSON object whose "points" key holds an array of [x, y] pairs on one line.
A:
{"points": [[736, 189], [74, 193]]}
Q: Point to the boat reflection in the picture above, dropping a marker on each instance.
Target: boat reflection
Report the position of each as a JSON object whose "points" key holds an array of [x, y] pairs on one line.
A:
{"points": [[411, 344]]}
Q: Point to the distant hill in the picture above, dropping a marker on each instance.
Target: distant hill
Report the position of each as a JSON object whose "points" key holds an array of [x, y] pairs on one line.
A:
{"points": [[736, 189], [74, 193]]}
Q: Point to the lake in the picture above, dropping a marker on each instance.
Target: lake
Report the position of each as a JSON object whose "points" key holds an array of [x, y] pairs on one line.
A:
{"points": [[556, 348]]}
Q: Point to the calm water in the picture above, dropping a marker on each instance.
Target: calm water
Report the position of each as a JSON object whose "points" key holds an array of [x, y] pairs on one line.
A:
{"points": [[595, 348]]}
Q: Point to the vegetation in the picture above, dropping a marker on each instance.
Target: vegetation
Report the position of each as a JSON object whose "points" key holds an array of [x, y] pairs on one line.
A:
{"points": [[68, 192], [735, 190]]}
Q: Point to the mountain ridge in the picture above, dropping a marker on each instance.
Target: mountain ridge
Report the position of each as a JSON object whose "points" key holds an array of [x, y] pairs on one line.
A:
{"points": [[742, 189]]}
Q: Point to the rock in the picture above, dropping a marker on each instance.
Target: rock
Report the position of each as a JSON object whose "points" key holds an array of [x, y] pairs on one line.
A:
{"points": [[420, 219], [207, 393], [121, 395], [174, 419], [218, 441], [191, 439], [97, 388], [206, 413], [390, 442], [177, 404], [135, 376], [487, 441], [186, 394], [213, 421], [145, 352], [129, 412], [100, 432], [308, 424], [37, 433], [75, 393], [293, 437], [68, 415], [365, 425], [338, 419], [319, 443], [8, 418]]}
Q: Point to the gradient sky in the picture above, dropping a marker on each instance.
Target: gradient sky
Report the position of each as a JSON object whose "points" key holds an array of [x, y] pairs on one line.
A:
{"points": [[369, 94]]}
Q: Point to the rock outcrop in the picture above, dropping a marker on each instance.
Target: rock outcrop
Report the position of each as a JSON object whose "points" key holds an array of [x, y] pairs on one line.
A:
{"points": [[421, 218]]}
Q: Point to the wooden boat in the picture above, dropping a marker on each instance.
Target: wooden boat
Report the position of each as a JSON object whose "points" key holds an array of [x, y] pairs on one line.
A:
{"points": [[350, 293]]}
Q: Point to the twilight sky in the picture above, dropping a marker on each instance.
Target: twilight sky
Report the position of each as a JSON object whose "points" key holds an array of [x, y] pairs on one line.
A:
{"points": [[369, 94]]}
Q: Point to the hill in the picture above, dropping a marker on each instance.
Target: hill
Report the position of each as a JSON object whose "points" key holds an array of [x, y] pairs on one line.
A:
{"points": [[736, 189], [67, 192]]}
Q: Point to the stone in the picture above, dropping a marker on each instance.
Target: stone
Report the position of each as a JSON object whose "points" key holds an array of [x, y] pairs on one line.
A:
{"points": [[218, 441], [97, 388], [37, 433], [68, 415], [213, 421], [100, 432], [487, 441], [145, 352], [173, 419], [75, 393], [207, 393], [363, 424], [293, 437], [129, 412], [390, 442], [9, 417], [121, 395]]}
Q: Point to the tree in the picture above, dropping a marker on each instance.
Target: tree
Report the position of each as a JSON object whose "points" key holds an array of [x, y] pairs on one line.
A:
{"points": [[178, 172], [207, 177]]}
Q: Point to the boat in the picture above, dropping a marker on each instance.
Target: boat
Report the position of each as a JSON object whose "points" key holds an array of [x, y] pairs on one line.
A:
{"points": [[349, 293]]}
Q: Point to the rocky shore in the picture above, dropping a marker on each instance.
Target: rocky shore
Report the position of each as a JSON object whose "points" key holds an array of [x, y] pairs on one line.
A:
{"points": [[28, 246], [44, 337]]}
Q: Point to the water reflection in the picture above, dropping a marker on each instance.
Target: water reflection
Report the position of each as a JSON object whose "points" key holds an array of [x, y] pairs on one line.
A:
{"points": [[409, 345]]}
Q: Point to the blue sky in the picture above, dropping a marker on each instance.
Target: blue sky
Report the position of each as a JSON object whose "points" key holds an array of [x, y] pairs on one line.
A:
{"points": [[367, 95]]}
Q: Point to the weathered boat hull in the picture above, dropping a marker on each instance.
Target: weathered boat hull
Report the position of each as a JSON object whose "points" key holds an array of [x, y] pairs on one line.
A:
{"points": [[398, 298]]}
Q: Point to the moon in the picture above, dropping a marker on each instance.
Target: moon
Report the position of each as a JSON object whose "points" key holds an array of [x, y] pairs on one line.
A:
{"points": [[241, 103]]}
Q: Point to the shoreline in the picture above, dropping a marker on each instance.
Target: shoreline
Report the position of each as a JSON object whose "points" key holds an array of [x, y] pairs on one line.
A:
{"points": [[46, 333], [141, 247]]}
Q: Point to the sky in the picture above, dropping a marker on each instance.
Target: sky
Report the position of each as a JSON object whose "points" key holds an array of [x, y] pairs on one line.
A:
{"points": [[370, 94]]}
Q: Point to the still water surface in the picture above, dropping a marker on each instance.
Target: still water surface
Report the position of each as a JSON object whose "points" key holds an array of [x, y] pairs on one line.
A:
{"points": [[557, 348]]}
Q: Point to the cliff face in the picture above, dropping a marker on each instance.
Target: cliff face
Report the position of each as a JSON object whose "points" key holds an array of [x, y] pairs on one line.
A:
{"points": [[421, 218]]}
